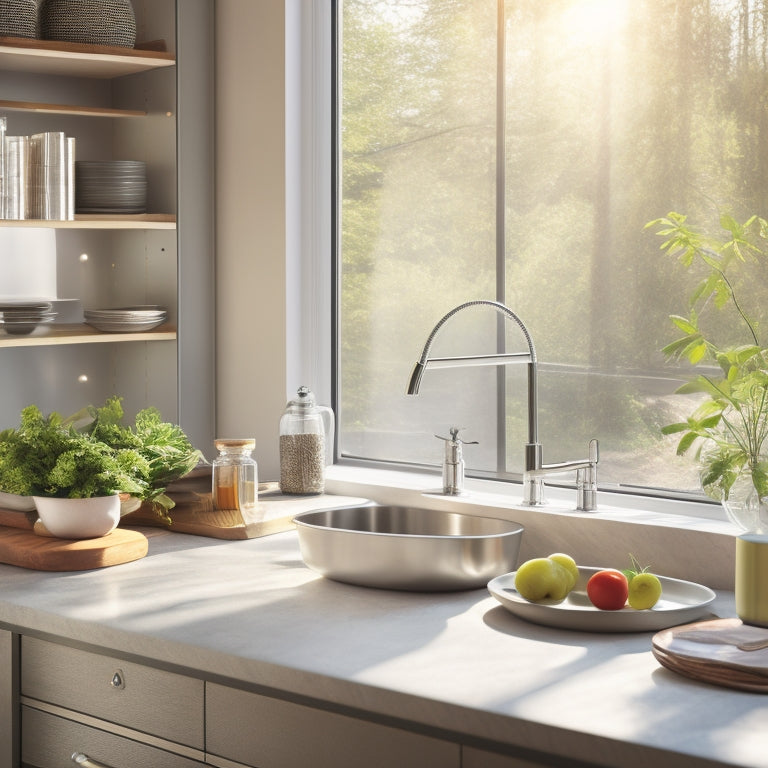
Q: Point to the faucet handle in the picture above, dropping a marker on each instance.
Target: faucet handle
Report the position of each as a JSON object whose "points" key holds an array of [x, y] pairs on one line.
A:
{"points": [[594, 450], [454, 438]]}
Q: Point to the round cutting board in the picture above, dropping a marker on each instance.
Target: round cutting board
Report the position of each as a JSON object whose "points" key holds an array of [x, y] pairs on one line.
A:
{"points": [[26, 549], [724, 652]]}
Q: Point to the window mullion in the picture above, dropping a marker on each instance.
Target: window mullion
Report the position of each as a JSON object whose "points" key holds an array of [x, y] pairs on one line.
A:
{"points": [[501, 271]]}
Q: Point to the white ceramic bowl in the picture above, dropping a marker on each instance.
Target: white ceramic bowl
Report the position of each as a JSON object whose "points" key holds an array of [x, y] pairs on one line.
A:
{"points": [[79, 518], [16, 503]]}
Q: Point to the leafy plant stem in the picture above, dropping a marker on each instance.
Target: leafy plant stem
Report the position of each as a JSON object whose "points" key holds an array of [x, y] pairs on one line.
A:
{"points": [[730, 427]]}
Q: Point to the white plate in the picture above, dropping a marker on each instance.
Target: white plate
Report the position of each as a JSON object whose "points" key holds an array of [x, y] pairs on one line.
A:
{"points": [[124, 327], [681, 602]]}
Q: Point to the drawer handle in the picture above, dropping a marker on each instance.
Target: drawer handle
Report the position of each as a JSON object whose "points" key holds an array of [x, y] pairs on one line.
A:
{"points": [[78, 758], [117, 681]]}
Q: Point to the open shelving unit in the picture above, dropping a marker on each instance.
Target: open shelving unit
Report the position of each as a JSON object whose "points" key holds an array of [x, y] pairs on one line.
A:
{"points": [[121, 103], [100, 221], [83, 334], [51, 57], [68, 109], [44, 57]]}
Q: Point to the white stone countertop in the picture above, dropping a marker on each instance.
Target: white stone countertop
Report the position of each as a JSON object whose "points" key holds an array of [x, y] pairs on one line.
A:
{"points": [[251, 611]]}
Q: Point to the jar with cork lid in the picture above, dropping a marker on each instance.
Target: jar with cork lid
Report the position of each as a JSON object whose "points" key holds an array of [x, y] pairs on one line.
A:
{"points": [[306, 440], [235, 475]]}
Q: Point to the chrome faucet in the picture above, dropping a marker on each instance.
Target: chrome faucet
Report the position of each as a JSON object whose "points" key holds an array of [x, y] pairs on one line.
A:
{"points": [[535, 469]]}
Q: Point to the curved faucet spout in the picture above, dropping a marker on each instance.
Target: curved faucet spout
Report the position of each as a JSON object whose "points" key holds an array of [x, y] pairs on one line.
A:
{"points": [[497, 305], [534, 466], [425, 361]]}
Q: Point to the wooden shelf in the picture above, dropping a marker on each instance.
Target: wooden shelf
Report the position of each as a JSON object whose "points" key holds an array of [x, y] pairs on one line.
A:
{"points": [[68, 109], [54, 335], [100, 221], [77, 60]]}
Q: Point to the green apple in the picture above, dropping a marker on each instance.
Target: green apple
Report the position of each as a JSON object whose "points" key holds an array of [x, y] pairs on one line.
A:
{"points": [[644, 591], [541, 579], [570, 565]]}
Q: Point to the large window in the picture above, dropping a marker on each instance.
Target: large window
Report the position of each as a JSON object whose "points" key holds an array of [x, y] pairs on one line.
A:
{"points": [[515, 151]]}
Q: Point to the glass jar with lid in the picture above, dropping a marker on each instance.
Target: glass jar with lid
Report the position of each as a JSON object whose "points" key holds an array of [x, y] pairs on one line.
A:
{"points": [[235, 475], [306, 443]]}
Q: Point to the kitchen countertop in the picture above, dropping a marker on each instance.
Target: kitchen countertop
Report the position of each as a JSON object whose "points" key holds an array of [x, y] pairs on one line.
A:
{"points": [[458, 664]]}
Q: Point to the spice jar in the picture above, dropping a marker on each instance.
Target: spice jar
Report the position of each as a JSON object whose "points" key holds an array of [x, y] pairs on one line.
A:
{"points": [[306, 440], [235, 475]]}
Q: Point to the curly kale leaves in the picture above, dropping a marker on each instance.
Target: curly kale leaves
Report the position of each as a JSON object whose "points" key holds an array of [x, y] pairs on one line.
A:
{"points": [[45, 457], [92, 453], [165, 450]]}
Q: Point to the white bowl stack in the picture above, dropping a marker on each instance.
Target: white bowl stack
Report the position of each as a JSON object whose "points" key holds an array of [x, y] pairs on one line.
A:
{"points": [[111, 186], [126, 319]]}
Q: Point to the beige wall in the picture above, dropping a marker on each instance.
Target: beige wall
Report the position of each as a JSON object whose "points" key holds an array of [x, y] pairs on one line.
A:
{"points": [[250, 224]]}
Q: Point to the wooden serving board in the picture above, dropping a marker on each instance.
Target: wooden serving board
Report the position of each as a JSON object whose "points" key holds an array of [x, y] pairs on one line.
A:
{"points": [[17, 519], [24, 548], [722, 651], [194, 512]]}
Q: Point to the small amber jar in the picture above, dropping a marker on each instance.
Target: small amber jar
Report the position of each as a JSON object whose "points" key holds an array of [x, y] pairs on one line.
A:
{"points": [[235, 475]]}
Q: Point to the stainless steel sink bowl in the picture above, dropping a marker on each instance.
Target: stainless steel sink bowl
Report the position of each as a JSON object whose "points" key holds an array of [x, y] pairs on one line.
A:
{"points": [[406, 548]]}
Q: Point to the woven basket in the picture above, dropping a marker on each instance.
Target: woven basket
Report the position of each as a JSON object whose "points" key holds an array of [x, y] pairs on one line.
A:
{"points": [[97, 22], [18, 18]]}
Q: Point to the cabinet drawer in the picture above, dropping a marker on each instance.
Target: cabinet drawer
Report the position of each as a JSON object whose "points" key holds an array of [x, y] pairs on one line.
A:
{"points": [[48, 741], [270, 733], [161, 703], [479, 758]]}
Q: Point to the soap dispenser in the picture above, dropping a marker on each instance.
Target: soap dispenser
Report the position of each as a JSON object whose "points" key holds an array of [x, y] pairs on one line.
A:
{"points": [[306, 444], [453, 463]]}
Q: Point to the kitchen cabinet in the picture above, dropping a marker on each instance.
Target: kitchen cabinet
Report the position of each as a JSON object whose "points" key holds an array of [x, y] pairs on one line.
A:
{"points": [[285, 652], [472, 757], [149, 105], [264, 732], [116, 712], [120, 712], [152, 701], [9, 720], [50, 741]]}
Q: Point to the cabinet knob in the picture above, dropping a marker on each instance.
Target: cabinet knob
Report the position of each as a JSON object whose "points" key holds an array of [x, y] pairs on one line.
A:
{"points": [[117, 680], [78, 758]]}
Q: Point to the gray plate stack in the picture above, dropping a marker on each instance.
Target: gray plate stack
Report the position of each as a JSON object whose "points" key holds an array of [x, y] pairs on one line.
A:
{"points": [[126, 319], [110, 186], [22, 317]]}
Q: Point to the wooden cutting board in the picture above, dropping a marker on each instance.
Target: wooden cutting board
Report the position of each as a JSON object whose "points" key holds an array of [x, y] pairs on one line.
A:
{"points": [[24, 548], [722, 651], [194, 512]]}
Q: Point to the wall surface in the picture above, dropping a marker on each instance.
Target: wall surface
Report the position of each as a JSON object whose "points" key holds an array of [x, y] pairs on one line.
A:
{"points": [[250, 225]]}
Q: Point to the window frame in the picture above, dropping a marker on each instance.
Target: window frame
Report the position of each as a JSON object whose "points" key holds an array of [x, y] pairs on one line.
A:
{"points": [[321, 335]]}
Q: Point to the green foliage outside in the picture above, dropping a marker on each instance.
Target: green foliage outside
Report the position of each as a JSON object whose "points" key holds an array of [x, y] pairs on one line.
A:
{"points": [[611, 119]]}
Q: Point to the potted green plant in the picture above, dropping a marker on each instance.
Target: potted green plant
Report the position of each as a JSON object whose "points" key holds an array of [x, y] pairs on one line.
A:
{"points": [[728, 429], [156, 451], [88, 461], [74, 481]]}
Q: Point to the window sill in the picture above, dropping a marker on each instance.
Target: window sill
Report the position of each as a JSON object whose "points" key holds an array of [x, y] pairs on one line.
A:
{"points": [[679, 539]]}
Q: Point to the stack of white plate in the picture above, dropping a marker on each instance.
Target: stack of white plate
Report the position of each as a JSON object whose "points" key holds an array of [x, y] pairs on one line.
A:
{"points": [[110, 186], [126, 319], [20, 317]]}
